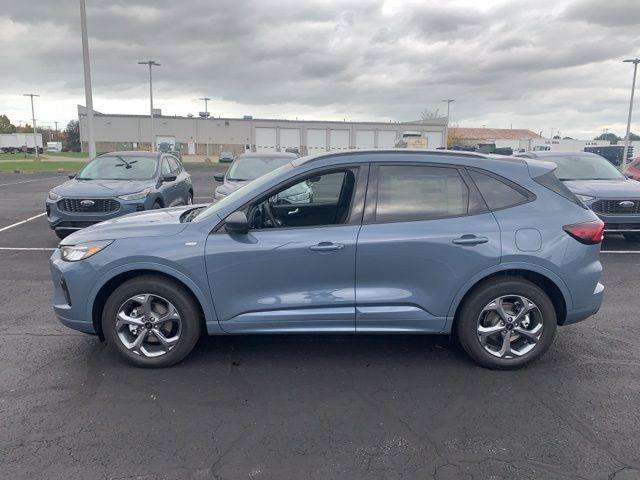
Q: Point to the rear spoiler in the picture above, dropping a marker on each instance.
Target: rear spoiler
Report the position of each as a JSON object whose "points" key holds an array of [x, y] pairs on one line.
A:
{"points": [[537, 168]]}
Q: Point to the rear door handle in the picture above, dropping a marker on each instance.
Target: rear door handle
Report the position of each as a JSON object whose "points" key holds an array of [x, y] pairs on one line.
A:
{"points": [[326, 247], [470, 240]]}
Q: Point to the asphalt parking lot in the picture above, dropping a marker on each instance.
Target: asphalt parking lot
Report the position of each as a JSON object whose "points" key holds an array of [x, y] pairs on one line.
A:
{"points": [[305, 406]]}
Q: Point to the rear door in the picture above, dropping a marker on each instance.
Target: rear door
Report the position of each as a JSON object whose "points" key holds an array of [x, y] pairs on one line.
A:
{"points": [[425, 232]]}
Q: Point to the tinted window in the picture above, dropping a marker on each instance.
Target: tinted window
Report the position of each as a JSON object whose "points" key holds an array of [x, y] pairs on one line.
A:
{"points": [[550, 181], [407, 193], [250, 168], [166, 169], [174, 165], [496, 193], [119, 168]]}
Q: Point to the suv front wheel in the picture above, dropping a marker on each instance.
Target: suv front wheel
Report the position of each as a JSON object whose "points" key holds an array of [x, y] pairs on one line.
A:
{"points": [[152, 321], [506, 323]]}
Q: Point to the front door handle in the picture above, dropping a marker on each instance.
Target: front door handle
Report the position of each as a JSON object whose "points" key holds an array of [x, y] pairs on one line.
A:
{"points": [[470, 240], [293, 212], [326, 247]]}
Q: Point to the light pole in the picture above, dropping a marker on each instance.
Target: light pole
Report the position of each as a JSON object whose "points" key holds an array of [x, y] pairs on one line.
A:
{"points": [[87, 81], [151, 63], [206, 115], [635, 62], [33, 119], [446, 131]]}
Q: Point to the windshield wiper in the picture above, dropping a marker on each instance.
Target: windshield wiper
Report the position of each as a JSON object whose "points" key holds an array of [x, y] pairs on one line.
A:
{"points": [[238, 179], [126, 165]]}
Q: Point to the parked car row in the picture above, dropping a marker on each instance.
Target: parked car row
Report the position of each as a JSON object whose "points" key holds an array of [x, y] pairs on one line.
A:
{"points": [[497, 251]]}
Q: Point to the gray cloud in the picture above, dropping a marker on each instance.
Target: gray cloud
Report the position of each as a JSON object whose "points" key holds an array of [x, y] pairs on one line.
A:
{"points": [[519, 62]]}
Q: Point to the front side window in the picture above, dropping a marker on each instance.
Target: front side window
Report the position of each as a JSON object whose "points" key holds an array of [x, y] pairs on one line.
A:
{"points": [[407, 193], [119, 167], [174, 165], [317, 200], [166, 169]]}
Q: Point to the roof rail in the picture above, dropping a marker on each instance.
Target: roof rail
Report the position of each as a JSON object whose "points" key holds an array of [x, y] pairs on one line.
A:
{"points": [[403, 151]]}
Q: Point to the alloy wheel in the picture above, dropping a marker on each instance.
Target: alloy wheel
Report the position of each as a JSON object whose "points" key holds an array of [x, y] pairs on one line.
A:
{"points": [[148, 325], [509, 326]]}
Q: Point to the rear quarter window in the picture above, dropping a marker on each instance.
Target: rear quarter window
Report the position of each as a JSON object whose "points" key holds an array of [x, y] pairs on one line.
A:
{"points": [[497, 192], [550, 181]]}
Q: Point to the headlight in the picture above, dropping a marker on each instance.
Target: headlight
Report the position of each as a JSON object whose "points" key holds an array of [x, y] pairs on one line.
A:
{"points": [[585, 198], [54, 196], [137, 195], [74, 253]]}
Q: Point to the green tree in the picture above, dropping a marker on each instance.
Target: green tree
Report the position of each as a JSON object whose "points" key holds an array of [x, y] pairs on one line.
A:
{"points": [[72, 136], [5, 125], [633, 137], [611, 137]]}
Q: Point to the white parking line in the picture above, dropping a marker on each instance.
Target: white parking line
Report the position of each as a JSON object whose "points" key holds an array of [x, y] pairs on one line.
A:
{"points": [[619, 251], [28, 249], [28, 181], [23, 221]]}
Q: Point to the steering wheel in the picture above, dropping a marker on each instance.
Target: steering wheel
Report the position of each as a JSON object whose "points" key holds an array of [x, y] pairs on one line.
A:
{"points": [[272, 218]]}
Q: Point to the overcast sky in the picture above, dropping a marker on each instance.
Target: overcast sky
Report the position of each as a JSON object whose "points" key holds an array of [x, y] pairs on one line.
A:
{"points": [[534, 64]]}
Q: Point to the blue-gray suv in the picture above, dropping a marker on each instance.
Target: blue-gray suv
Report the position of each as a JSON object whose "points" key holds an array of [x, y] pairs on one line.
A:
{"points": [[496, 251], [115, 184]]}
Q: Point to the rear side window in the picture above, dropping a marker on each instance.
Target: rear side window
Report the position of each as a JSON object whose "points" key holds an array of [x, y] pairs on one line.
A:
{"points": [[497, 193], [550, 181], [412, 192]]}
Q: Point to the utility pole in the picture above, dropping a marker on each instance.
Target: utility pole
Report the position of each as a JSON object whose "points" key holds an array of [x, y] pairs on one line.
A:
{"points": [[151, 64], [206, 115], [635, 62], [56, 133], [33, 119], [446, 131], [87, 81]]}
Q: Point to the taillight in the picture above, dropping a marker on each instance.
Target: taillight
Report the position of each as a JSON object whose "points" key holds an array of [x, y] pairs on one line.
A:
{"points": [[588, 233]]}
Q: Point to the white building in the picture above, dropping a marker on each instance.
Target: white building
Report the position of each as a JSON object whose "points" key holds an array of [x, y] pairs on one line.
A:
{"points": [[192, 134]]}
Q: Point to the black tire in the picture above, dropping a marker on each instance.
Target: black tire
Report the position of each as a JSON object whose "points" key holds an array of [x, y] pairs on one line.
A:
{"points": [[173, 292], [632, 236], [62, 234], [481, 296]]}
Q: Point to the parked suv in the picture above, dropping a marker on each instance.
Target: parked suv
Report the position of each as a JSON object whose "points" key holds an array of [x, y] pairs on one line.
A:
{"points": [[495, 251], [115, 184], [596, 182]]}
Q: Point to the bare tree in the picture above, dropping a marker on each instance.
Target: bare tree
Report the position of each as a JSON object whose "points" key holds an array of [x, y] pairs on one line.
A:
{"points": [[429, 114]]}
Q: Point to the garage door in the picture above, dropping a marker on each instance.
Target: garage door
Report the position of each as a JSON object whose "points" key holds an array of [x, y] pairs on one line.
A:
{"points": [[316, 141], [289, 138], [386, 139], [338, 140], [365, 139], [265, 139]]}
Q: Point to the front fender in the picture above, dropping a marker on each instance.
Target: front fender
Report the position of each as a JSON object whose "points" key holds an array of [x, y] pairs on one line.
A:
{"points": [[204, 298]]}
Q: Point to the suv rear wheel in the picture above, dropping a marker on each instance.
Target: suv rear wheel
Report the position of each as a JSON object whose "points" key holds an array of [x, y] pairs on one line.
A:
{"points": [[507, 323], [151, 321]]}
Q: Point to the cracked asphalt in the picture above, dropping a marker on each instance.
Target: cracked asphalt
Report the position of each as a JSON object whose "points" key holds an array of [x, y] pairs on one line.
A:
{"points": [[297, 407]]}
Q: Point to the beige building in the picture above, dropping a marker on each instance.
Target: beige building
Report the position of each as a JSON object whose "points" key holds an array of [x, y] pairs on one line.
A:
{"points": [[192, 135]]}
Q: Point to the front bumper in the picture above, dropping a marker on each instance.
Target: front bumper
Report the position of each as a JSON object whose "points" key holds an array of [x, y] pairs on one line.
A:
{"points": [[60, 220], [616, 222], [72, 282]]}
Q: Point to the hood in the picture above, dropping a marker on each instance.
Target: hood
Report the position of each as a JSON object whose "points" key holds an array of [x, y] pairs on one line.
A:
{"points": [[230, 186], [100, 188], [605, 188], [153, 223]]}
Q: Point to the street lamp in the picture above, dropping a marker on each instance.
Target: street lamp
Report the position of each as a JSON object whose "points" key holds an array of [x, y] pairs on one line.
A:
{"points": [[151, 63], [206, 115], [33, 119], [635, 62], [446, 135], [87, 81]]}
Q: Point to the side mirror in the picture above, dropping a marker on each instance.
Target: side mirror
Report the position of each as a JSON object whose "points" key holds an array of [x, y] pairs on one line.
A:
{"points": [[169, 178], [237, 223], [219, 177], [72, 176], [627, 174]]}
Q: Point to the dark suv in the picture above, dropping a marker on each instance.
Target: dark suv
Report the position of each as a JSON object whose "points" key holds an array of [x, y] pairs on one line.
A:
{"points": [[115, 184]]}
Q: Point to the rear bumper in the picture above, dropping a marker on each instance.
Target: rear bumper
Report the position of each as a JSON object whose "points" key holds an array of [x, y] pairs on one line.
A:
{"points": [[591, 308]]}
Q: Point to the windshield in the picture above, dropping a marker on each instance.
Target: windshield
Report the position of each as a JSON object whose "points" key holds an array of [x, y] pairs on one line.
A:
{"points": [[583, 167], [250, 168], [252, 187], [112, 167]]}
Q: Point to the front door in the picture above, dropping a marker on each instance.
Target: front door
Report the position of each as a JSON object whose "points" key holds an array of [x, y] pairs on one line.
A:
{"points": [[294, 271], [426, 231]]}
